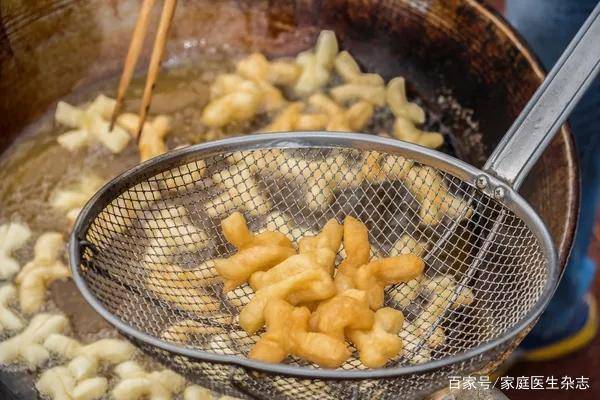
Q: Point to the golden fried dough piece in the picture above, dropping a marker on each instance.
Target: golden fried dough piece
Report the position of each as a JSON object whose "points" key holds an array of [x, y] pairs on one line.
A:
{"points": [[292, 265], [358, 252], [236, 269], [329, 238], [287, 334], [286, 120], [382, 343], [436, 201], [319, 289], [235, 230], [252, 315], [324, 245], [316, 253], [256, 252], [348, 310], [300, 279], [376, 275], [350, 92]]}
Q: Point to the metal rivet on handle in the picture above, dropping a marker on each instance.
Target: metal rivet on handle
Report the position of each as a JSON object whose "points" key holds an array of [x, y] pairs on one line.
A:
{"points": [[499, 192], [481, 181]]}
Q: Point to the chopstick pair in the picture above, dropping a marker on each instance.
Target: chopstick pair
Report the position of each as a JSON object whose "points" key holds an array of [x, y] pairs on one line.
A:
{"points": [[133, 54]]}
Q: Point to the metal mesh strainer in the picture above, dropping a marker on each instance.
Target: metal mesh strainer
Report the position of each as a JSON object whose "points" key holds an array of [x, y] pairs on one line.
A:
{"points": [[140, 249], [143, 259]]}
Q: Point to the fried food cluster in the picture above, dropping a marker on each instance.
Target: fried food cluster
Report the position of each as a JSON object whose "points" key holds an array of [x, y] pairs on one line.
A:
{"points": [[86, 360], [311, 307], [27, 346], [255, 252], [297, 95]]}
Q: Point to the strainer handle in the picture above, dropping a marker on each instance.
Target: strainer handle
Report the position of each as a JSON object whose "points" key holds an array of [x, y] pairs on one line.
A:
{"points": [[549, 107]]}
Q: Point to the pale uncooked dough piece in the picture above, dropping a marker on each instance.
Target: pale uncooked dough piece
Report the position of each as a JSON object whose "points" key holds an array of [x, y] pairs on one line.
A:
{"points": [[85, 360], [131, 205], [27, 346], [277, 221], [350, 92], [407, 244], [91, 389], [45, 268], [59, 384], [174, 223], [170, 233], [436, 200], [348, 69], [236, 99], [183, 176], [186, 331], [152, 140], [351, 119], [405, 129], [178, 287], [196, 392], [316, 64], [13, 236], [407, 292], [277, 72], [90, 124], [442, 289], [8, 319], [240, 191], [56, 383], [399, 104], [71, 200], [411, 340], [137, 384]]}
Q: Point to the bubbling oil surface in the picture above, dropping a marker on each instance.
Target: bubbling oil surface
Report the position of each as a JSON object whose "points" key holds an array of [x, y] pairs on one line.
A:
{"points": [[35, 165]]}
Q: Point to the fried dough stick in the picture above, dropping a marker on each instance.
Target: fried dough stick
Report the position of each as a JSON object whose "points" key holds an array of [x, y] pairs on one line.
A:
{"points": [[256, 252]]}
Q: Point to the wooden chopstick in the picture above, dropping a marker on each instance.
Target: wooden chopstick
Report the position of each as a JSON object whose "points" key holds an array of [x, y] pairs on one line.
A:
{"points": [[156, 58], [133, 54]]}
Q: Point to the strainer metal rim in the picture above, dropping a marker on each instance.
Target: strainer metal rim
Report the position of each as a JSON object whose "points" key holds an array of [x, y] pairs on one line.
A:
{"points": [[512, 200]]}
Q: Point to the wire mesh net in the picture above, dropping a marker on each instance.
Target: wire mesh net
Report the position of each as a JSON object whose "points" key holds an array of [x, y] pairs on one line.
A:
{"points": [[149, 251]]}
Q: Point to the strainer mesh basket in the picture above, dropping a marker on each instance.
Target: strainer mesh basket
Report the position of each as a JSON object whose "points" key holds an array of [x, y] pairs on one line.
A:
{"points": [[146, 244]]}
